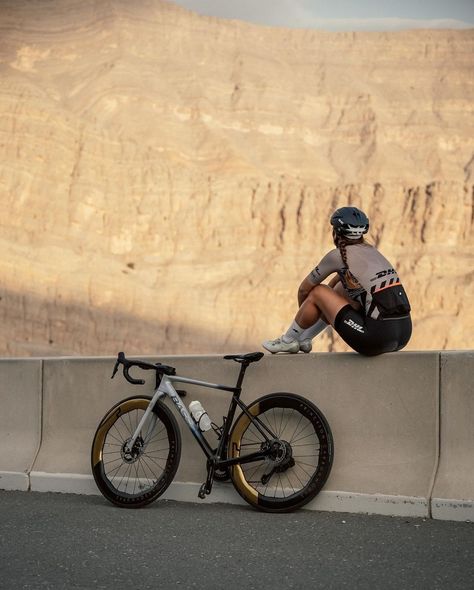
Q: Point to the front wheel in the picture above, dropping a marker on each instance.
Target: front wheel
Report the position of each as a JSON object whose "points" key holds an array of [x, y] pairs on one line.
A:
{"points": [[136, 477], [301, 452]]}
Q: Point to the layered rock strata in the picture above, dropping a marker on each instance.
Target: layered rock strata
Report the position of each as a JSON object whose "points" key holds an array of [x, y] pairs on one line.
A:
{"points": [[166, 179]]}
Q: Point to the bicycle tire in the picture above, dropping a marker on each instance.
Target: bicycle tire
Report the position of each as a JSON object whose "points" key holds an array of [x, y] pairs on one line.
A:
{"points": [[130, 481], [303, 426]]}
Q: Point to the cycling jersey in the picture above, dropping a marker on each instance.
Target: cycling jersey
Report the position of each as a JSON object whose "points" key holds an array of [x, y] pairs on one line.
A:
{"points": [[377, 286]]}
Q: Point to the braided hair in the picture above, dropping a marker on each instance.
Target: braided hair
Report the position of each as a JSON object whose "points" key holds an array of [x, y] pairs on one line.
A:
{"points": [[341, 245]]}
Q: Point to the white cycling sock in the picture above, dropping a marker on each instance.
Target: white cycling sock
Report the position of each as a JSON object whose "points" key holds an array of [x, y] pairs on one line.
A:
{"points": [[313, 330], [293, 333]]}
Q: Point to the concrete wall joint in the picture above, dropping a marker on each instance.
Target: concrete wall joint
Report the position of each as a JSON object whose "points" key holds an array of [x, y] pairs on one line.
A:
{"points": [[41, 420], [437, 438]]}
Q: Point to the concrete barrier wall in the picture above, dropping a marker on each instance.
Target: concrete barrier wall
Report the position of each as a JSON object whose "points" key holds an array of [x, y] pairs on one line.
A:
{"points": [[383, 411], [453, 493], [20, 420]]}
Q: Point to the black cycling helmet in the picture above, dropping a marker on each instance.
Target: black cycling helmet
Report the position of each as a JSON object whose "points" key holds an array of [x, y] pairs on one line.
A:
{"points": [[350, 223]]}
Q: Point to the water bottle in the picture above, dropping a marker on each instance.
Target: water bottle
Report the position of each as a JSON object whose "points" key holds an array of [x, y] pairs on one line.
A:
{"points": [[200, 416]]}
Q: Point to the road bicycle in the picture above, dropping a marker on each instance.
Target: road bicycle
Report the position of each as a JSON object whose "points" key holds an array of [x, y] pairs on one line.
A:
{"points": [[278, 452]]}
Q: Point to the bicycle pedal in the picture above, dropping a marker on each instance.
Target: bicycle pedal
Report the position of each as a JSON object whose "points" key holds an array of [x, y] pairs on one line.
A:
{"points": [[202, 491]]}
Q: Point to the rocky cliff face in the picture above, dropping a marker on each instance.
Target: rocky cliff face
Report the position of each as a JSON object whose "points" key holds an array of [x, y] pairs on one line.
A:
{"points": [[166, 179]]}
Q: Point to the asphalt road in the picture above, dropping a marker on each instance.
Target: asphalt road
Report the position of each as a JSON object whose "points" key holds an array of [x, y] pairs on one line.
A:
{"points": [[62, 541]]}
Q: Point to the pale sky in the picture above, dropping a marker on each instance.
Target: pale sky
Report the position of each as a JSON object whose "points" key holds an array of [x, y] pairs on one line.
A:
{"points": [[342, 15]]}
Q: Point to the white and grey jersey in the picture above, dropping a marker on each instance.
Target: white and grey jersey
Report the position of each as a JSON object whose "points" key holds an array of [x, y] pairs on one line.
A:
{"points": [[372, 271]]}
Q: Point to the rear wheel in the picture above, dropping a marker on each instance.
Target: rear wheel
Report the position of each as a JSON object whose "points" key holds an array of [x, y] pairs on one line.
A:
{"points": [[301, 452], [136, 477]]}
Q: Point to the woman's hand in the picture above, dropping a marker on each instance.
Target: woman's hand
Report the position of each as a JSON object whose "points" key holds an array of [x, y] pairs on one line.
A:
{"points": [[307, 286], [304, 290]]}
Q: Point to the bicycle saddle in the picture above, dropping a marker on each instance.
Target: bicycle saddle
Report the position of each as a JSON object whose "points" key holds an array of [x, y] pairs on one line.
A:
{"points": [[250, 357]]}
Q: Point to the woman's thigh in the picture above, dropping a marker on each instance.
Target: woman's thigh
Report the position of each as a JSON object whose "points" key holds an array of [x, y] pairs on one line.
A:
{"points": [[329, 301], [339, 288]]}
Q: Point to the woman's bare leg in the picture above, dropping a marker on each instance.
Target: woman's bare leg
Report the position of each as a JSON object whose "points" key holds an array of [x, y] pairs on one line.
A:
{"points": [[321, 324], [321, 300]]}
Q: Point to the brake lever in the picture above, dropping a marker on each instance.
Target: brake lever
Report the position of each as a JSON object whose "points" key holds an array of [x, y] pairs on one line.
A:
{"points": [[114, 372], [120, 359]]}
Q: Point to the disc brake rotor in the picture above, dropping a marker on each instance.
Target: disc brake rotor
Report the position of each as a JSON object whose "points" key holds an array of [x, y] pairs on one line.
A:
{"points": [[134, 454]]}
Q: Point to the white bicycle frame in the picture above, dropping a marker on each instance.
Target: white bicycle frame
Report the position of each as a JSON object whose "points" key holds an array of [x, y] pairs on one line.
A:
{"points": [[166, 388]]}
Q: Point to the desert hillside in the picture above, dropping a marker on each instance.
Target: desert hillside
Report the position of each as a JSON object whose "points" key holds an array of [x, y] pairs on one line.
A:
{"points": [[166, 179]]}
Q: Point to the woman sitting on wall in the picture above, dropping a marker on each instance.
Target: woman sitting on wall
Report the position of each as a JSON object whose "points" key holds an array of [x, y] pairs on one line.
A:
{"points": [[365, 303]]}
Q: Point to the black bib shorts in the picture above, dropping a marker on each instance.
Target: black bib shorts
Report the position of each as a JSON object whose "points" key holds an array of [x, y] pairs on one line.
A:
{"points": [[372, 337]]}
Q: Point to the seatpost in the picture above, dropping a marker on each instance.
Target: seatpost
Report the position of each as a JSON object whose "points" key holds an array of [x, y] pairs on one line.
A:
{"points": [[243, 368]]}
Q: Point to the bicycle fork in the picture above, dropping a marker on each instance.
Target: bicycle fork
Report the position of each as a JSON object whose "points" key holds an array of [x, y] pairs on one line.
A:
{"points": [[149, 416]]}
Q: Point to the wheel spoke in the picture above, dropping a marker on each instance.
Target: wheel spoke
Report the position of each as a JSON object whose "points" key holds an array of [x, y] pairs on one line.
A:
{"points": [[119, 440], [146, 466]]}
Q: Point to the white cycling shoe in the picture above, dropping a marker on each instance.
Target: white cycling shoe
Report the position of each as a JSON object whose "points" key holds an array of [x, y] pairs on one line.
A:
{"points": [[306, 345], [279, 345]]}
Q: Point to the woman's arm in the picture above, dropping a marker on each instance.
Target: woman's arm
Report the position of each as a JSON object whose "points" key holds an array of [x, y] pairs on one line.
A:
{"points": [[304, 290], [334, 281], [330, 264], [307, 285]]}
